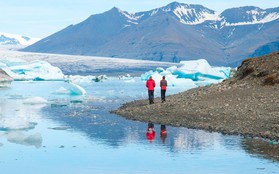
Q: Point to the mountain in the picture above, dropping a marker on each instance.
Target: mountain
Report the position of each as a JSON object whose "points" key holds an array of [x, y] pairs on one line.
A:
{"points": [[265, 49], [171, 33], [16, 40]]}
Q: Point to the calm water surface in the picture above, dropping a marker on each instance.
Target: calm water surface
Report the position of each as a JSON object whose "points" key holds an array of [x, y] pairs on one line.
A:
{"points": [[77, 134]]}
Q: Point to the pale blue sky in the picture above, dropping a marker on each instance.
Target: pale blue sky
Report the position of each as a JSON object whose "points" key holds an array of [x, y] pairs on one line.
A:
{"points": [[41, 18]]}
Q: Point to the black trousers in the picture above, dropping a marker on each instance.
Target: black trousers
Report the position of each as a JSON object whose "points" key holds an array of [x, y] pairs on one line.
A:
{"points": [[163, 95], [151, 96]]}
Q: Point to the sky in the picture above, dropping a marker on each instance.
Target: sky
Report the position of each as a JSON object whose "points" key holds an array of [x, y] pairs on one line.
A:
{"points": [[41, 18]]}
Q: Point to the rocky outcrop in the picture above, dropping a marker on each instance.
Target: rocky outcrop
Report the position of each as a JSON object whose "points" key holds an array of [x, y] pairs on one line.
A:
{"points": [[262, 70], [246, 104], [5, 79]]}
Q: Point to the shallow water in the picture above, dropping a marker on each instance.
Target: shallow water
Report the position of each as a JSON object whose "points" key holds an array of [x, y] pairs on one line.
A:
{"points": [[77, 134]]}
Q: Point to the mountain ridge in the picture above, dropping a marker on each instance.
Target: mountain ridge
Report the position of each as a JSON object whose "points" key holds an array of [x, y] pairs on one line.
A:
{"points": [[221, 38]]}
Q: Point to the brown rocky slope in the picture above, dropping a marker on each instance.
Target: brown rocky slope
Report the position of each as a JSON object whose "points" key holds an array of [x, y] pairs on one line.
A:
{"points": [[246, 104]]}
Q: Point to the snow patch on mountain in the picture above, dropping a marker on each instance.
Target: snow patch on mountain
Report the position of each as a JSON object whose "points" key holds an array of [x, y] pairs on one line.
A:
{"points": [[15, 39], [268, 18], [192, 17], [190, 14]]}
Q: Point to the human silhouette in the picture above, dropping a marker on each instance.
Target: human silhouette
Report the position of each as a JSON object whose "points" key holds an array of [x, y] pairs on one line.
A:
{"points": [[163, 85], [150, 84]]}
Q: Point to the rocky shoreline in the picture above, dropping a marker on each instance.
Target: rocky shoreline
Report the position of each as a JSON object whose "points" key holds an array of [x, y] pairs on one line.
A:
{"points": [[246, 104]]}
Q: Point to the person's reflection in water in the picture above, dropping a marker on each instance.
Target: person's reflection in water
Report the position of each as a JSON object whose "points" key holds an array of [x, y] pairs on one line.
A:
{"points": [[150, 133], [163, 133]]}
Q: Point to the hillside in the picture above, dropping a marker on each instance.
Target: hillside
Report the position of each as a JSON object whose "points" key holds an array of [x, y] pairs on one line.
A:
{"points": [[246, 104]]}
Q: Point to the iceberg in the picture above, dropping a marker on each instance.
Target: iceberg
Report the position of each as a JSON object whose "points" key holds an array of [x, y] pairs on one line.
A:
{"points": [[35, 70], [85, 79], [71, 89], [75, 89], [199, 70], [193, 73]]}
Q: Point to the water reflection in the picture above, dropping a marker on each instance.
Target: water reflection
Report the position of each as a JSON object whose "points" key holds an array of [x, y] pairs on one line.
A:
{"points": [[260, 148], [163, 133], [19, 137], [95, 120], [150, 133]]}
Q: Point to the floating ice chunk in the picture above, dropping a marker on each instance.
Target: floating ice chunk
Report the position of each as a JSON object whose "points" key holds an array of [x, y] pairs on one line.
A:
{"points": [[80, 79], [200, 70], [85, 79], [190, 73], [28, 140], [70, 89], [125, 77], [146, 75], [35, 100], [76, 89], [159, 69]]}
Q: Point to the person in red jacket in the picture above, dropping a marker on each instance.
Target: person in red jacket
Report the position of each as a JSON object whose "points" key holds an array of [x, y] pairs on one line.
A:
{"points": [[163, 85], [150, 84]]}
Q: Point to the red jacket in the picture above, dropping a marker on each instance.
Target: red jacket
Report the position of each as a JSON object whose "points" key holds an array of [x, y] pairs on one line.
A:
{"points": [[163, 84], [150, 84], [150, 134]]}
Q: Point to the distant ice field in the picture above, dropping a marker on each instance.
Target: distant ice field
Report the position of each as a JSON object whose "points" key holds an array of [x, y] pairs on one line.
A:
{"points": [[89, 65]]}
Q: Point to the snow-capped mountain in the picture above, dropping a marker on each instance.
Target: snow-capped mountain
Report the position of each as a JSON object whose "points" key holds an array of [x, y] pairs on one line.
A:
{"points": [[185, 13], [248, 15], [14, 39], [190, 14], [171, 33]]}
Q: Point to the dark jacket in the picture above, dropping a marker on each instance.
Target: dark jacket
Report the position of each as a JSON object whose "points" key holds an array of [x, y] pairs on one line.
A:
{"points": [[163, 84]]}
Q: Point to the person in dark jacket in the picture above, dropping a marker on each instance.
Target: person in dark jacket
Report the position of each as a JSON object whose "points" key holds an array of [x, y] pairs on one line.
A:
{"points": [[150, 84], [163, 85]]}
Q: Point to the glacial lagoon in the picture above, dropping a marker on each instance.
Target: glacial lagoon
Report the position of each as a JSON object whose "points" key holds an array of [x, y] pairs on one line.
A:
{"points": [[43, 130]]}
